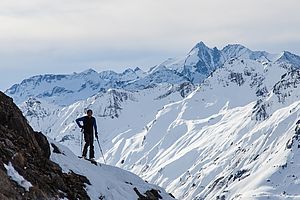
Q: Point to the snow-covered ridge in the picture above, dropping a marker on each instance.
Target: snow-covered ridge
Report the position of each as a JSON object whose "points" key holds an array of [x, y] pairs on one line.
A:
{"points": [[195, 67], [66, 89], [201, 61]]}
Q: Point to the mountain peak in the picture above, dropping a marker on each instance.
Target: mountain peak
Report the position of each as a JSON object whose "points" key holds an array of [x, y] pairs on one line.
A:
{"points": [[137, 69], [235, 50], [287, 53], [234, 46], [201, 43], [129, 70], [158, 68], [89, 71], [289, 57], [200, 46]]}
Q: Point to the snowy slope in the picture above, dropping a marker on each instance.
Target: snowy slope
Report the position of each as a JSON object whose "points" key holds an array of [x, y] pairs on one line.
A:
{"points": [[235, 136], [206, 144], [106, 182], [132, 111], [192, 145]]}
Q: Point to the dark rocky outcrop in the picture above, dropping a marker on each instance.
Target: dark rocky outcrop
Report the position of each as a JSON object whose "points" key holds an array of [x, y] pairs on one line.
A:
{"points": [[29, 153], [260, 110], [285, 87], [149, 194], [184, 90], [236, 78]]}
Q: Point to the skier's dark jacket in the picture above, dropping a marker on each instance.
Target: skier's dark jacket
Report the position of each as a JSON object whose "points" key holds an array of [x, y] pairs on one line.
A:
{"points": [[83, 119]]}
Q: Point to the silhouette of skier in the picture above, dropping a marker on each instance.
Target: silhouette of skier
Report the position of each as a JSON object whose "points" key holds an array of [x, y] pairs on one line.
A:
{"points": [[89, 123]]}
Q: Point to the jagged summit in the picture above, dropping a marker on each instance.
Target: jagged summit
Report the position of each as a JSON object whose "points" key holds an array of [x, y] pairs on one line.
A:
{"points": [[234, 51], [200, 45], [290, 58], [137, 69], [89, 71]]}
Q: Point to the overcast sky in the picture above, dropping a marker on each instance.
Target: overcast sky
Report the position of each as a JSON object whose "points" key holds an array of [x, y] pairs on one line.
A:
{"points": [[63, 36]]}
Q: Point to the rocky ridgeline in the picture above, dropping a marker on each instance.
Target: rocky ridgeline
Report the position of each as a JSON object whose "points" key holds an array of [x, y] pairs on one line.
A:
{"points": [[29, 153]]}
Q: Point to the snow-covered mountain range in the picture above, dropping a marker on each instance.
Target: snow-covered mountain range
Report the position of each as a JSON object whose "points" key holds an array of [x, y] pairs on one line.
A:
{"points": [[213, 124], [195, 67], [33, 166]]}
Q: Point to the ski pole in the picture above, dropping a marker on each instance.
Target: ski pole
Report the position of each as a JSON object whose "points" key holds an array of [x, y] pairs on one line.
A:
{"points": [[101, 151], [81, 140]]}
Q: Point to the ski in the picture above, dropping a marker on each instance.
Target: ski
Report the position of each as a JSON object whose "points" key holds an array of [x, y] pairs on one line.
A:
{"points": [[91, 161]]}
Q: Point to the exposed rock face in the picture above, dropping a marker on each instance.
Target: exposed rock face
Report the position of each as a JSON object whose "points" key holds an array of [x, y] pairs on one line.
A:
{"points": [[29, 153], [149, 195]]}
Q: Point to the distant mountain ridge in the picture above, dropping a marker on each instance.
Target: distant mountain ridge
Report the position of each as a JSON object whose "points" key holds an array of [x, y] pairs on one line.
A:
{"points": [[197, 65]]}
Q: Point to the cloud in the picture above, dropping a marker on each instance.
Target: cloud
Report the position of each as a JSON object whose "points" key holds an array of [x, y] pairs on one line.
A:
{"points": [[37, 34], [137, 23]]}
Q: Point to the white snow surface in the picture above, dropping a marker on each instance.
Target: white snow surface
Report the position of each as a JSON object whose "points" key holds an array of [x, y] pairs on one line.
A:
{"points": [[106, 181], [15, 176]]}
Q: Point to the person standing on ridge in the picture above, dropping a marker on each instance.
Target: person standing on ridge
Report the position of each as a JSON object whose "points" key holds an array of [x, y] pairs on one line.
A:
{"points": [[89, 123]]}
